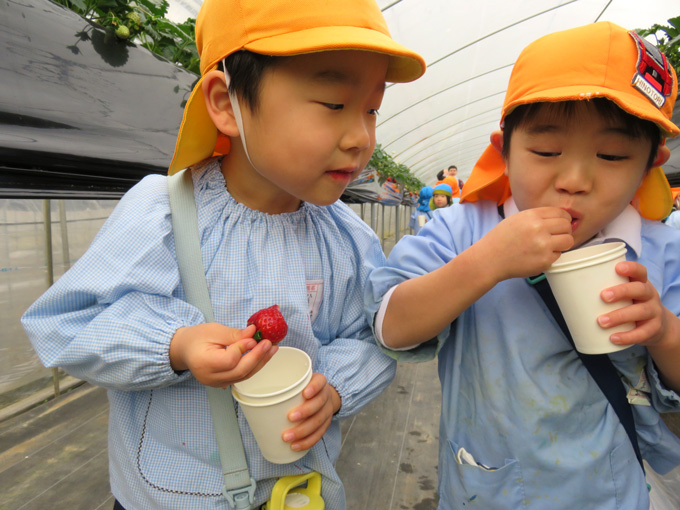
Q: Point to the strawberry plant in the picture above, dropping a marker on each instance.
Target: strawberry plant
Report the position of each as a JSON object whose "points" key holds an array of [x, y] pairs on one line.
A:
{"points": [[390, 171], [667, 40], [143, 22]]}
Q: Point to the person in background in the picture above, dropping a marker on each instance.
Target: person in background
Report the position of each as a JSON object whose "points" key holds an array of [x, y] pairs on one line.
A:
{"points": [[441, 196], [673, 219], [453, 172], [423, 213], [455, 190], [576, 162], [272, 231]]}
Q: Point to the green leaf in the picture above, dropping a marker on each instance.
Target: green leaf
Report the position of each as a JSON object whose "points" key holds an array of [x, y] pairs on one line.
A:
{"points": [[156, 7], [80, 4]]}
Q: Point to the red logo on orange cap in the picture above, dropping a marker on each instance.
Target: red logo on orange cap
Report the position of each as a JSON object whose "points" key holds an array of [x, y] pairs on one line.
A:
{"points": [[653, 76]]}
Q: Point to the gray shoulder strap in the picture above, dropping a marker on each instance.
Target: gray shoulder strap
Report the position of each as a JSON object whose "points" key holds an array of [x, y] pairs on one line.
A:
{"points": [[239, 486]]}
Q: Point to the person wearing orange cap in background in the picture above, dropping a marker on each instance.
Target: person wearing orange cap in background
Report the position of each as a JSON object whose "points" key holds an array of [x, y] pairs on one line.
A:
{"points": [[282, 119], [523, 423], [673, 219]]}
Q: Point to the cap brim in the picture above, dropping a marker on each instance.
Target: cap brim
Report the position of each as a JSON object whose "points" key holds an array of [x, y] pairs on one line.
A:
{"points": [[404, 66], [635, 104]]}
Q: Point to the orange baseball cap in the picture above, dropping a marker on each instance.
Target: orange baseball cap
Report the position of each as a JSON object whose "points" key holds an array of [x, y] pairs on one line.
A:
{"points": [[597, 60], [280, 28]]}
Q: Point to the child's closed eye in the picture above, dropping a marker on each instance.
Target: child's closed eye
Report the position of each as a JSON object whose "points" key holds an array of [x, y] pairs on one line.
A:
{"points": [[373, 111], [546, 154], [612, 157], [333, 106]]}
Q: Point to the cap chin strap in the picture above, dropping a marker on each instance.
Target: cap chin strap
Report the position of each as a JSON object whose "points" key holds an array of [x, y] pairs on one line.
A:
{"points": [[237, 113]]}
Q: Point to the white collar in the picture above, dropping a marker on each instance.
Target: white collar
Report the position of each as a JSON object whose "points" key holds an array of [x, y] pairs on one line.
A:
{"points": [[625, 227]]}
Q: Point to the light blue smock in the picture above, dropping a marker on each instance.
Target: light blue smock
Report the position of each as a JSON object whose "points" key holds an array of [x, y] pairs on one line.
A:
{"points": [[413, 222], [110, 318], [673, 219], [516, 396]]}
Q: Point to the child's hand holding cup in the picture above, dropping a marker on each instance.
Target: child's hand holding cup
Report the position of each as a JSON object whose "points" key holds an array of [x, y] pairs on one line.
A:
{"points": [[577, 279]]}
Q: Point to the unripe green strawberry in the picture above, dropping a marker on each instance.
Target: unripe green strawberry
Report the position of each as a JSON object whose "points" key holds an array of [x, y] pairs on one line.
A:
{"points": [[134, 18], [122, 32], [270, 324]]}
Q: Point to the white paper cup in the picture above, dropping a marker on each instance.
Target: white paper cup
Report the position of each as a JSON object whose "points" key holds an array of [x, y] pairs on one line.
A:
{"points": [[268, 396], [422, 219], [577, 278]]}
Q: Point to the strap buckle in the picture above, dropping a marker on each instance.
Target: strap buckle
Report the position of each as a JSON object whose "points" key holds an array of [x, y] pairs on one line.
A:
{"points": [[242, 497], [533, 280]]}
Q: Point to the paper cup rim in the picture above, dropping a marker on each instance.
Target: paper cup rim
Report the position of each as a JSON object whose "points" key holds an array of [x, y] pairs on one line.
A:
{"points": [[250, 401], [303, 380], [614, 251]]}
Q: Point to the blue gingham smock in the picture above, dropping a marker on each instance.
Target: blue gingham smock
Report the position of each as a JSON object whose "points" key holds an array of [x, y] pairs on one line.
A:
{"points": [[109, 320], [515, 395]]}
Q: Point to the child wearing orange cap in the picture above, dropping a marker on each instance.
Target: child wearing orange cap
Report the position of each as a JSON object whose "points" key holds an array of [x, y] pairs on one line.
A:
{"points": [[282, 119], [523, 423]]}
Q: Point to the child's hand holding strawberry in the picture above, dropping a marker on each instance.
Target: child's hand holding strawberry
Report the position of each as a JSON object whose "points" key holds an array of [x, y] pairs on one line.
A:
{"points": [[217, 355]]}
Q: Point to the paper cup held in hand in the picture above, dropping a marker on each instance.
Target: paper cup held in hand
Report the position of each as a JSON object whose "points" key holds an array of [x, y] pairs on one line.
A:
{"points": [[577, 278], [268, 396], [422, 220]]}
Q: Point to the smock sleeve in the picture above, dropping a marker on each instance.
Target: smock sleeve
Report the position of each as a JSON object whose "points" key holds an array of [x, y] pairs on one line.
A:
{"points": [[110, 318], [415, 256], [348, 355], [663, 270]]}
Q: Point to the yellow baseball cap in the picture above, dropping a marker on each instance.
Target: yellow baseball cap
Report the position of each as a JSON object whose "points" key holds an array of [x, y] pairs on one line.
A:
{"points": [[280, 28], [596, 60]]}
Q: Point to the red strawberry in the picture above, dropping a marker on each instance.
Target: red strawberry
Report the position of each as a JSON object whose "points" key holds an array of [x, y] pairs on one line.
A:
{"points": [[270, 324]]}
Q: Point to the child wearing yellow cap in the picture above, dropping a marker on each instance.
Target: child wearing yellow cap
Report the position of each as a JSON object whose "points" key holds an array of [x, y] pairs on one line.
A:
{"points": [[281, 120], [577, 162]]}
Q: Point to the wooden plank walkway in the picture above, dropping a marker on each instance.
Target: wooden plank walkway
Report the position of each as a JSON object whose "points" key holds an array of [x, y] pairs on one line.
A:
{"points": [[55, 455]]}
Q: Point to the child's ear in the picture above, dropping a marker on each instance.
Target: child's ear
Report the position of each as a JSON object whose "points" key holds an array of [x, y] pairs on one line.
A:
{"points": [[496, 139], [662, 155], [218, 104]]}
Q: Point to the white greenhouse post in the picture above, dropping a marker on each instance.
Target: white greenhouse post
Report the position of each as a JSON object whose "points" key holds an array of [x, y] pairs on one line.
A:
{"points": [[373, 219], [397, 223], [64, 235], [382, 230], [47, 220]]}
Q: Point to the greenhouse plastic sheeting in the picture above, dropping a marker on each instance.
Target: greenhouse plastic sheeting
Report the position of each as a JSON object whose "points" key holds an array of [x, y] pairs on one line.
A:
{"points": [[446, 117], [81, 113], [368, 188]]}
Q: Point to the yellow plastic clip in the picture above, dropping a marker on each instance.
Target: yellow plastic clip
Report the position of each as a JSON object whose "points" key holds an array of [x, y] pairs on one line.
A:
{"points": [[288, 495]]}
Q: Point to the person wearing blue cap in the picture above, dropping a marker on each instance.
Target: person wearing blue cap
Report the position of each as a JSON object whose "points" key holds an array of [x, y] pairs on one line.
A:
{"points": [[441, 196], [423, 212]]}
